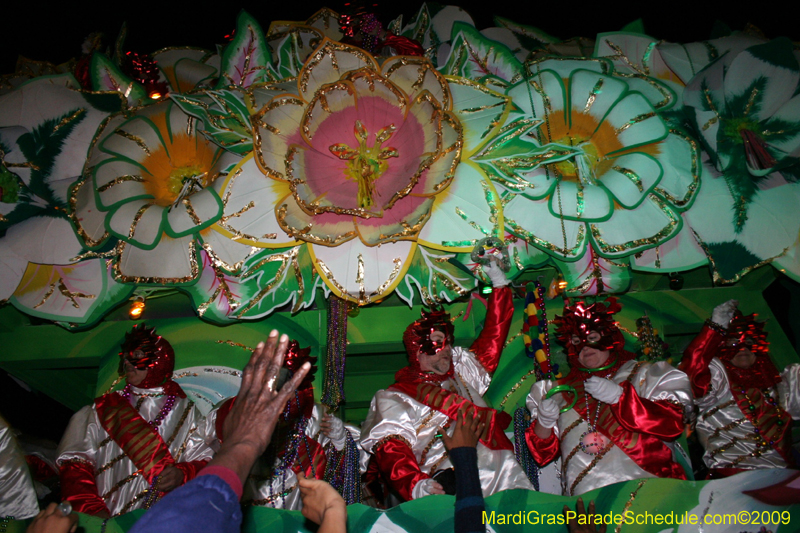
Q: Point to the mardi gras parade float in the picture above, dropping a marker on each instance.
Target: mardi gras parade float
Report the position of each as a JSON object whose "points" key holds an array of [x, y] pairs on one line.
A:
{"points": [[334, 176]]}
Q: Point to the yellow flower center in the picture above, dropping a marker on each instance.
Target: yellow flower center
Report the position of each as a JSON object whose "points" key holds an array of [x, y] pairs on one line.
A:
{"points": [[583, 164], [180, 175], [366, 164]]}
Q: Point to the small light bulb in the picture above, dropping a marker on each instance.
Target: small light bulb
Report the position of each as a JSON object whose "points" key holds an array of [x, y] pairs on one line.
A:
{"points": [[137, 308]]}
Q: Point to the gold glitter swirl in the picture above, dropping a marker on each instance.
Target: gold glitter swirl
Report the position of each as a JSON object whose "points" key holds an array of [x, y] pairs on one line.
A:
{"points": [[674, 221], [593, 95], [597, 458], [67, 120], [516, 386], [387, 438], [131, 137], [237, 345], [194, 270], [629, 503], [635, 120], [286, 259], [713, 411], [120, 179]]}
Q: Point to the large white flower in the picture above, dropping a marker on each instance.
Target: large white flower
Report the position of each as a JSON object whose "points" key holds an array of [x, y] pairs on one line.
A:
{"points": [[150, 185]]}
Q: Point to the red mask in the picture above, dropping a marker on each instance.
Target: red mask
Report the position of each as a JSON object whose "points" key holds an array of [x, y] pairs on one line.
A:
{"points": [[417, 339], [744, 332], [580, 319], [144, 349]]}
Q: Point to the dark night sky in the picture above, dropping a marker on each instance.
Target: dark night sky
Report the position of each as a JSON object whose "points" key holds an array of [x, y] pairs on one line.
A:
{"points": [[55, 34]]}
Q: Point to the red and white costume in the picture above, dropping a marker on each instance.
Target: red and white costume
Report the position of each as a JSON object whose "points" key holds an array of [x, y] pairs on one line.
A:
{"points": [[113, 450], [402, 431], [745, 414], [634, 433]]}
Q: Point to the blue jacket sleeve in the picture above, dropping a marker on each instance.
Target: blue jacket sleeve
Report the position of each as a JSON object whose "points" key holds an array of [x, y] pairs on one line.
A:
{"points": [[206, 503]]}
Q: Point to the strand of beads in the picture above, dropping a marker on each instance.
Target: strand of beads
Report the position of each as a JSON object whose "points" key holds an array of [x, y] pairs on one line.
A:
{"points": [[522, 421], [169, 403]]}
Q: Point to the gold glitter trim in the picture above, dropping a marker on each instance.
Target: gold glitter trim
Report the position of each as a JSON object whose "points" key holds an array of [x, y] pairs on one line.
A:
{"points": [[120, 179], [190, 211], [631, 175], [635, 120], [67, 120], [71, 296], [287, 259], [119, 276], [387, 438], [258, 121], [713, 410], [593, 95], [222, 288], [597, 458], [425, 421], [138, 140], [111, 463], [121, 483], [674, 221], [329, 49], [572, 426], [532, 239], [629, 503], [516, 386], [719, 280], [237, 345], [178, 427], [692, 188]]}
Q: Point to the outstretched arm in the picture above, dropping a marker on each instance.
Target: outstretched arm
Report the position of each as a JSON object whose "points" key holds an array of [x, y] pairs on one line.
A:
{"points": [[703, 348], [489, 345]]}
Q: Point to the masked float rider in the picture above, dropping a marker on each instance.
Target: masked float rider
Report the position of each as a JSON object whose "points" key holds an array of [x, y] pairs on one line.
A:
{"points": [[746, 405], [139, 438], [402, 432], [305, 440], [626, 411]]}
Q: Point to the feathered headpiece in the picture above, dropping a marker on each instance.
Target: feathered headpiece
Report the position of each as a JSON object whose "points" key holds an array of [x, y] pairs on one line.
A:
{"points": [[580, 319], [417, 339], [744, 332], [144, 349]]}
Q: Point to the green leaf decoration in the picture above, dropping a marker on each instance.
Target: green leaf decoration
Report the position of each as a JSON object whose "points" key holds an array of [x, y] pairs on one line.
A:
{"points": [[273, 279], [435, 276], [106, 76], [637, 26], [41, 146], [292, 47], [217, 294], [9, 186], [226, 120], [246, 60], [474, 56], [592, 275]]}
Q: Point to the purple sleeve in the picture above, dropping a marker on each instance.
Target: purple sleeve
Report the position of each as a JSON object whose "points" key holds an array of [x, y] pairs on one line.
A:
{"points": [[206, 503]]}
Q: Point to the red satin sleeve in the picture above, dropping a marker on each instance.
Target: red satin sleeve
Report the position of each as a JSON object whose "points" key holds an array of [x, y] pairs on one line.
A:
{"points": [[78, 487], [542, 450], [397, 463], [190, 469], [489, 345], [661, 419], [696, 358]]}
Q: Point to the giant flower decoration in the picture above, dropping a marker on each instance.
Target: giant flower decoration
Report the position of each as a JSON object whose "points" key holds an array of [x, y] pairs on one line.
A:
{"points": [[363, 154], [151, 188], [591, 162], [365, 161], [746, 109]]}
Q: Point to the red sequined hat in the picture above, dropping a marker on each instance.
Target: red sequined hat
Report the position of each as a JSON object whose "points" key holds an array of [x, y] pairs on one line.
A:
{"points": [[580, 319], [144, 349], [417, 339]]}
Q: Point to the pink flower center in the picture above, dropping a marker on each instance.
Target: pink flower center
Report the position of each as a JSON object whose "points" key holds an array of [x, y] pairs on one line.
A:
{"points": [[366, 164]]}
